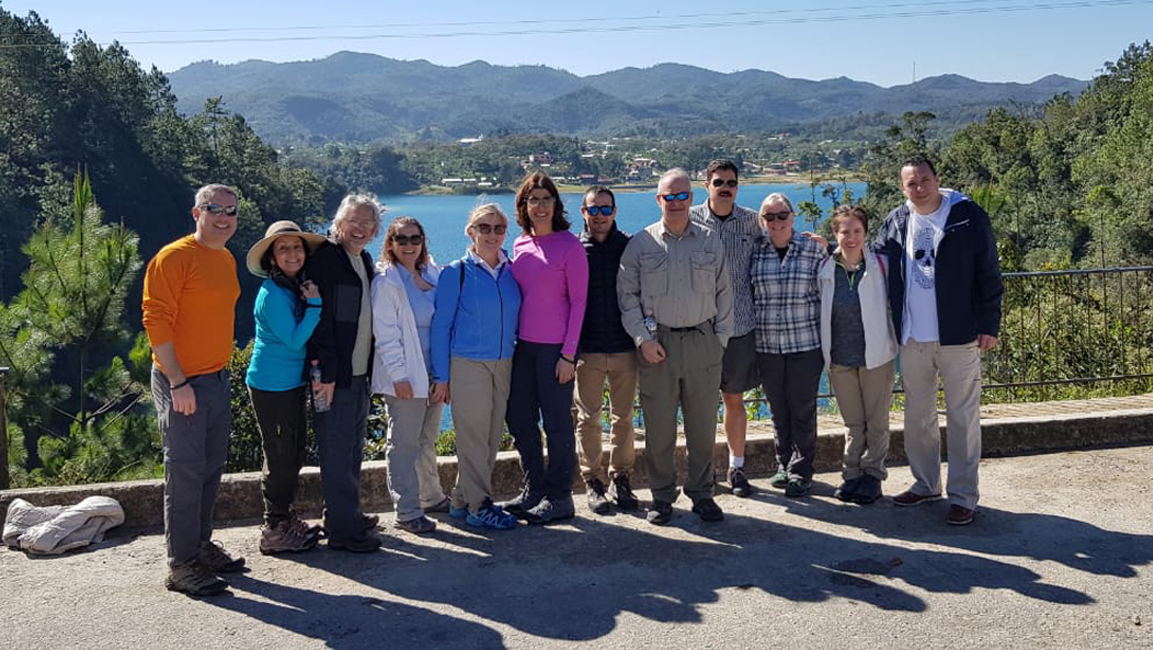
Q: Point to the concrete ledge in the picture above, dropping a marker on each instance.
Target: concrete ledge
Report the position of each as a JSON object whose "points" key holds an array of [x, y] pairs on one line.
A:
{"points": [[240, 493]]}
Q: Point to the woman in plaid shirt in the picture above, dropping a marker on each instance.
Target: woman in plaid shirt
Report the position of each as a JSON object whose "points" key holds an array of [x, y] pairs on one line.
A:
{"points": [[787, 308]]}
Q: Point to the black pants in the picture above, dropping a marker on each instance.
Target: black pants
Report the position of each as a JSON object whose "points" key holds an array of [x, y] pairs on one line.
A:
{"points": [[282, 419], [791, 382], [535, 396]]}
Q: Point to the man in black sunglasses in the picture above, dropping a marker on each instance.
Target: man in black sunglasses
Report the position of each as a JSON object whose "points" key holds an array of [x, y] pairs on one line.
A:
{"points": [[190, 293], [739, 229], [677, 305], [607, 354]]}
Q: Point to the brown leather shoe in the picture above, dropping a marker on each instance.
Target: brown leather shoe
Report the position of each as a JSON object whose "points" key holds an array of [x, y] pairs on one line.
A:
{"points": [[911, 498], [959, 515]]}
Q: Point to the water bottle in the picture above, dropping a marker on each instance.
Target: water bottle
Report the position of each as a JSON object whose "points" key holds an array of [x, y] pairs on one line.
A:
{"points": [[319, 402]]}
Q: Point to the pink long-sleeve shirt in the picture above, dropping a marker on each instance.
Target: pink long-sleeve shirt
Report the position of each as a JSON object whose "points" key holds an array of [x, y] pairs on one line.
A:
{"points": [[553, 274]]}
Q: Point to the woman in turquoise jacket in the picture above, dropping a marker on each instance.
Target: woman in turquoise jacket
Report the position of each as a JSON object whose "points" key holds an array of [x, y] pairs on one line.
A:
{"points": [[473, 336], [287, 310]]}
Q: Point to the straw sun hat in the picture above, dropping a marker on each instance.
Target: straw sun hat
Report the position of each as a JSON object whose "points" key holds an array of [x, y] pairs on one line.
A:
{"points": [[275, 231]]}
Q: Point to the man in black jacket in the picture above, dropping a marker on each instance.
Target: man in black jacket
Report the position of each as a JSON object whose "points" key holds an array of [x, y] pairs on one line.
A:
{"points": [[945, 292], [607, 352]]}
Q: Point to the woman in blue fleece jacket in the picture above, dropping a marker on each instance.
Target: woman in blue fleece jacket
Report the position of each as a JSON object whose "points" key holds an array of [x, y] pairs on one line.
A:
{"points": [[287, 310], [473, 336]]}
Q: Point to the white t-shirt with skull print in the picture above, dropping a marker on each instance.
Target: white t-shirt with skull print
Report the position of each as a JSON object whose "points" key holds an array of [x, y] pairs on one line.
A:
{"points": [[922, 238]]}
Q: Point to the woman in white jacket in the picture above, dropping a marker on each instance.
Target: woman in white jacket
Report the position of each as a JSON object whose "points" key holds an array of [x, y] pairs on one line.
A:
{"points": [[860, 347], [403, 302]]}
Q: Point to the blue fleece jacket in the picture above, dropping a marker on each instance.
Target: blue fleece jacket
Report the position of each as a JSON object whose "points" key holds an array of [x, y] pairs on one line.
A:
{"points": [[278, 354], [475, 319]]}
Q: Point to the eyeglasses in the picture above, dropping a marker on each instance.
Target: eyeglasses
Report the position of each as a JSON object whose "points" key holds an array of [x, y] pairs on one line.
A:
{"points": [[679, 196], [540, 200], [769, 216], [488, 229], [719, 182], [217, 209], [597, 210], [405, 240]]}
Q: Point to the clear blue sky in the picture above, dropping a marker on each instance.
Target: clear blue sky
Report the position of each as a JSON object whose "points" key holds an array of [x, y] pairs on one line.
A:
{"points": [[878, 41]]}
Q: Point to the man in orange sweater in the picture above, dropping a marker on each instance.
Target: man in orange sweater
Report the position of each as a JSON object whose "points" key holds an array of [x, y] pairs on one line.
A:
{"points": [[190, 292]]}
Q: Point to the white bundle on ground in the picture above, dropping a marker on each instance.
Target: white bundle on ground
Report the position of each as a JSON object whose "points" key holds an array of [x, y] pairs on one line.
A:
{"points": [[52, 530]]}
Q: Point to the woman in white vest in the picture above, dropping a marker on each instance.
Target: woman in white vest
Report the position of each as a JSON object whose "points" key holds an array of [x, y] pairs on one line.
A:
{"points": [[859, 347], [403, 302]]}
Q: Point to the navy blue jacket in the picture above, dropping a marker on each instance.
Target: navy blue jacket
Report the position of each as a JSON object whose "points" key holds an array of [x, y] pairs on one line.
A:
{"points": [[968, 275], [602, 332]]}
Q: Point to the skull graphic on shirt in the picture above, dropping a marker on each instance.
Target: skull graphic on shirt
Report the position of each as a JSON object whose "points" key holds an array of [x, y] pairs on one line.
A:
{"points": [[924, 258]]}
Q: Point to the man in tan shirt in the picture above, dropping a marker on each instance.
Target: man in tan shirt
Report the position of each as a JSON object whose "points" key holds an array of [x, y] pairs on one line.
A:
{"points": [[677, 305]]}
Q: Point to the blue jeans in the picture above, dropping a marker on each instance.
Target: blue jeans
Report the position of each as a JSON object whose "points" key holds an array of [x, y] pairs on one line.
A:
{"points": [[535, 396], [340, 435]]}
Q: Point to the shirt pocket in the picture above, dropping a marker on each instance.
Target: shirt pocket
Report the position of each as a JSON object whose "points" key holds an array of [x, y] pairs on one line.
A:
{"points": [[654, 274], [704, 270], [347, 307]]}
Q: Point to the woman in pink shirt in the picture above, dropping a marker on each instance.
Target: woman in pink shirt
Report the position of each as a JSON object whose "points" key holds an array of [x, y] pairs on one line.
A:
{"points": [[550, 265]]}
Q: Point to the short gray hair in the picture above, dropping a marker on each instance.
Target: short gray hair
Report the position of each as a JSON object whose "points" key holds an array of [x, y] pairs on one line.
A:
{"points": [[352, 202], [777, 197], [211, 190], [675, 172]]}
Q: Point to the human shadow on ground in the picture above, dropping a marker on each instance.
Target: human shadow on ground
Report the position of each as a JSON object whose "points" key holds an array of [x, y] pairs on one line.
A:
{"points": [[573, 581], [1074, 543]]}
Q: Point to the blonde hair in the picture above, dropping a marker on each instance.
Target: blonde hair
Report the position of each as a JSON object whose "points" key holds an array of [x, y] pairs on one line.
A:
{"points": [[480, 212]]}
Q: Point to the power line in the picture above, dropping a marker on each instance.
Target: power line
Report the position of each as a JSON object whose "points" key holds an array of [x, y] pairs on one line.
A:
{"points": [[739, 19]]}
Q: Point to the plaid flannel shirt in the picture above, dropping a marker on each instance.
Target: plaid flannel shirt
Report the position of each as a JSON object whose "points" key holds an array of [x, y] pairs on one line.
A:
{"points": [[739, 233], [786, 298]]}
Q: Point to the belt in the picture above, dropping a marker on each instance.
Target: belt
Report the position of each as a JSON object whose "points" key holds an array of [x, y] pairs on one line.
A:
{"points": [[691, 328]]}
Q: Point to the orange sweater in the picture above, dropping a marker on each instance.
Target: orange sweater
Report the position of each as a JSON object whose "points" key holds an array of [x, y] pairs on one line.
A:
{"points": [[190, 294]]}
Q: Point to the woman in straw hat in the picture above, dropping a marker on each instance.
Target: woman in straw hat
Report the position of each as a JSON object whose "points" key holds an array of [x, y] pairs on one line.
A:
{"points": [[287, 310]]}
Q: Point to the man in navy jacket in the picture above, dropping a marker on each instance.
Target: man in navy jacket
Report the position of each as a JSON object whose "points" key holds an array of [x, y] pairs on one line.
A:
{"points": [[945, 291]]}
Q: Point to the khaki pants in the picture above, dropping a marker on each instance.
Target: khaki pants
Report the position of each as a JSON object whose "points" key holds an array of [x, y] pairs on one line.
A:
{"points": [[959, 367], [479, 399], [864, 396], [413, 479], [620, 370], [688, 377]]}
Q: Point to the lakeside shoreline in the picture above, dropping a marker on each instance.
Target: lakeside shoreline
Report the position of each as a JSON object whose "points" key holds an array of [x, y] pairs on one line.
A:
{"points": [[789, 179]]}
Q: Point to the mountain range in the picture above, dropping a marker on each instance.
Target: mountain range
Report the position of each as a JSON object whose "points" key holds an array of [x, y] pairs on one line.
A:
{"points": [[354, 97]]}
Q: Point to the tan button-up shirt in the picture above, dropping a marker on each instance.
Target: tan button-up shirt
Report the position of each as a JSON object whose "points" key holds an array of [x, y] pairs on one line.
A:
{"points": [[680, 281]]}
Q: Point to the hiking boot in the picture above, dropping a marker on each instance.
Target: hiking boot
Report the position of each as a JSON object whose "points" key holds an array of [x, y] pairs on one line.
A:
{"points": [[868, 490], [368, 523], [285, 537], [798, 487], [491, 516], [959, 515], [364, 543], [522, 503], [622, 493], [444, 505], [194, 579], [595, 491], [911, 498], [738, 484], [418, 526], [848, 489], [780, 480], [551, 509], [305, 528], [213, 556], [708, 510], [660, 513]]}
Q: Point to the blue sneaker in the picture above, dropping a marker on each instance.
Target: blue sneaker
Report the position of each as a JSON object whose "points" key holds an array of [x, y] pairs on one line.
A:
{"points": [[490, 516], [458, 513]]}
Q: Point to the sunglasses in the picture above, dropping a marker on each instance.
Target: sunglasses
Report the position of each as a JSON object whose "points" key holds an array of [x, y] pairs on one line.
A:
{"points": [[769, 216], [488, 229], [405, 240], [217, 209], [535, 201], [720, 182], [597, 210], [679, 196]]}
